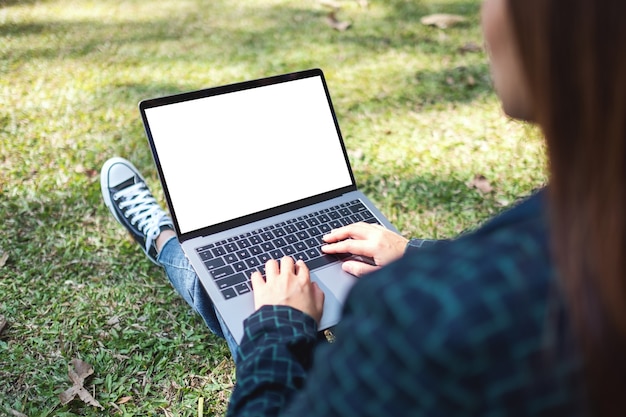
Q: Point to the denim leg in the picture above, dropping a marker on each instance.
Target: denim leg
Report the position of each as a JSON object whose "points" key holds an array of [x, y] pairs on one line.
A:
{"points": [[184, 279]]}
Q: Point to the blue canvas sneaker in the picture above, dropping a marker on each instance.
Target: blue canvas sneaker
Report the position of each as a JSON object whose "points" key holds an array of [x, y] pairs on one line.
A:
{"points": [[126, 194]]}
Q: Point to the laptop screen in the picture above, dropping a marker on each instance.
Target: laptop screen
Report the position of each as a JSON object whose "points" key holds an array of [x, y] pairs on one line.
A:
{"points": [[230, 155]]}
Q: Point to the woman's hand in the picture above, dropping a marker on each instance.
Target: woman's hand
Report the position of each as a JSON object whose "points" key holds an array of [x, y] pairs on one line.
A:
{"points": [[288, 284], [363, 239]]}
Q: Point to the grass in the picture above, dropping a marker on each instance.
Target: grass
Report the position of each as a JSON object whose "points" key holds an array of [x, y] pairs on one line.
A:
{"points": [[418, 115]]}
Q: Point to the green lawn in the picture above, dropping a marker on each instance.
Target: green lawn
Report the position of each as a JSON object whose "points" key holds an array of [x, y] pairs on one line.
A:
{"points": [[416, 109]]}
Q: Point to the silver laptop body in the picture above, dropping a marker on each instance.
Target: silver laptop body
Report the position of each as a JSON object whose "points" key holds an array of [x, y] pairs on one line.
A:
{"points": [[244, 163]]}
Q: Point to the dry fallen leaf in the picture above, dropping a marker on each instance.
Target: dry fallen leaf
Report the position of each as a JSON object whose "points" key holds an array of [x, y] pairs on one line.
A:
{"points": [[335, 23], [470, 47], [78, 371], [481, 183], [3, 323], [331, 18], [4, 257], [113, 321], [124, 400], [16, 413], [442, 20], [90, 172]]}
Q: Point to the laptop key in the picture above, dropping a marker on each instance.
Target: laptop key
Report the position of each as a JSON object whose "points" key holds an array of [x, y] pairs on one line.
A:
{"points": [[359, 207], [314, 231], [243, 244], [204, 248], [279, 243], [231, 247], [222, 272], [252, 262], [205, 256], [267, 246], [214, 263], [240, 266], [321, 261], [313, 253], [243, 254], [335, 224], [219, 251], [230, 258], [323, 219], [242, 288], [229, 293], [300, 256], [276, 254], [264, 258], [231, 280], [313, 242], [313, 222], [324, 228]]}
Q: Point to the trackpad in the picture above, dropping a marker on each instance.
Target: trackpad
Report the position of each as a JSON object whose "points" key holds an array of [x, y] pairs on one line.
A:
{"points": [[336, 285]]}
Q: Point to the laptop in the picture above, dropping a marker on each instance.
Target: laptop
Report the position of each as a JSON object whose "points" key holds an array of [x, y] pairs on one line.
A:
{"points": [[252, 171]]}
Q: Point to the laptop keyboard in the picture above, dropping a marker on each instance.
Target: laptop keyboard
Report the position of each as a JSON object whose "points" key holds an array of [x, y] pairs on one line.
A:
{"points": [[232, 261]]}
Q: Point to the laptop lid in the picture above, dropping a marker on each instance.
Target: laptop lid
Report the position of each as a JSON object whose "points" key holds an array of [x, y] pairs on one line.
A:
{"points": [[234, 154]]}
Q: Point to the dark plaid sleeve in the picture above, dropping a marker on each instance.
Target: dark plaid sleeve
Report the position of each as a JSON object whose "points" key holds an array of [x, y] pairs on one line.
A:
{"points": [[274, 357], [464, 337], [417, 244], [475, 327]]}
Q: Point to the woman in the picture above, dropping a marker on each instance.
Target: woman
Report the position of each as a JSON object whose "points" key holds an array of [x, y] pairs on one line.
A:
{"points": [[526, 316]]}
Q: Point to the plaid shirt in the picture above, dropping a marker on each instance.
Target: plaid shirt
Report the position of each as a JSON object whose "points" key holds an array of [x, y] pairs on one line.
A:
{"points": [[473, 327]]}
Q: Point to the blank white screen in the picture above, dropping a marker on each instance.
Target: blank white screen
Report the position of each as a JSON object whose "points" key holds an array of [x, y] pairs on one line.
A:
{"points": [[230, 155]]}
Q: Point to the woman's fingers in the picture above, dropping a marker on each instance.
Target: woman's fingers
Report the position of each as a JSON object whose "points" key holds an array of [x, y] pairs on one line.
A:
{"points": [[353, 231], [288, 283], [373, 241], [271, 268], [358, 269], [355, 247]]}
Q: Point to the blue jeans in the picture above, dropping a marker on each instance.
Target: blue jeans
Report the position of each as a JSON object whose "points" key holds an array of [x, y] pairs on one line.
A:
{"points": [[186, 282]]}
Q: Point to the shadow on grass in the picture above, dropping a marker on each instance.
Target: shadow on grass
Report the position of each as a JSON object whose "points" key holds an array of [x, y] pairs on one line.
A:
{"points": [[426, 206], [281, 29], [424, 192], [9, 3], [282, 38]]}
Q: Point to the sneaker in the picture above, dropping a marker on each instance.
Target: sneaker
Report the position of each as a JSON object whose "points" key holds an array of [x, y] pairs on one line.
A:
{"points": [[126, 194]]}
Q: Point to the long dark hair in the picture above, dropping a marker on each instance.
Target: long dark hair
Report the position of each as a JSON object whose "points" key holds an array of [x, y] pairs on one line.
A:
{"points": [[574, 55]]}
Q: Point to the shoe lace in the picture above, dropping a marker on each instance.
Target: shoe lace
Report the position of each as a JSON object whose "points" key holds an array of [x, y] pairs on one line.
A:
{"points": [[143, 211]]}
